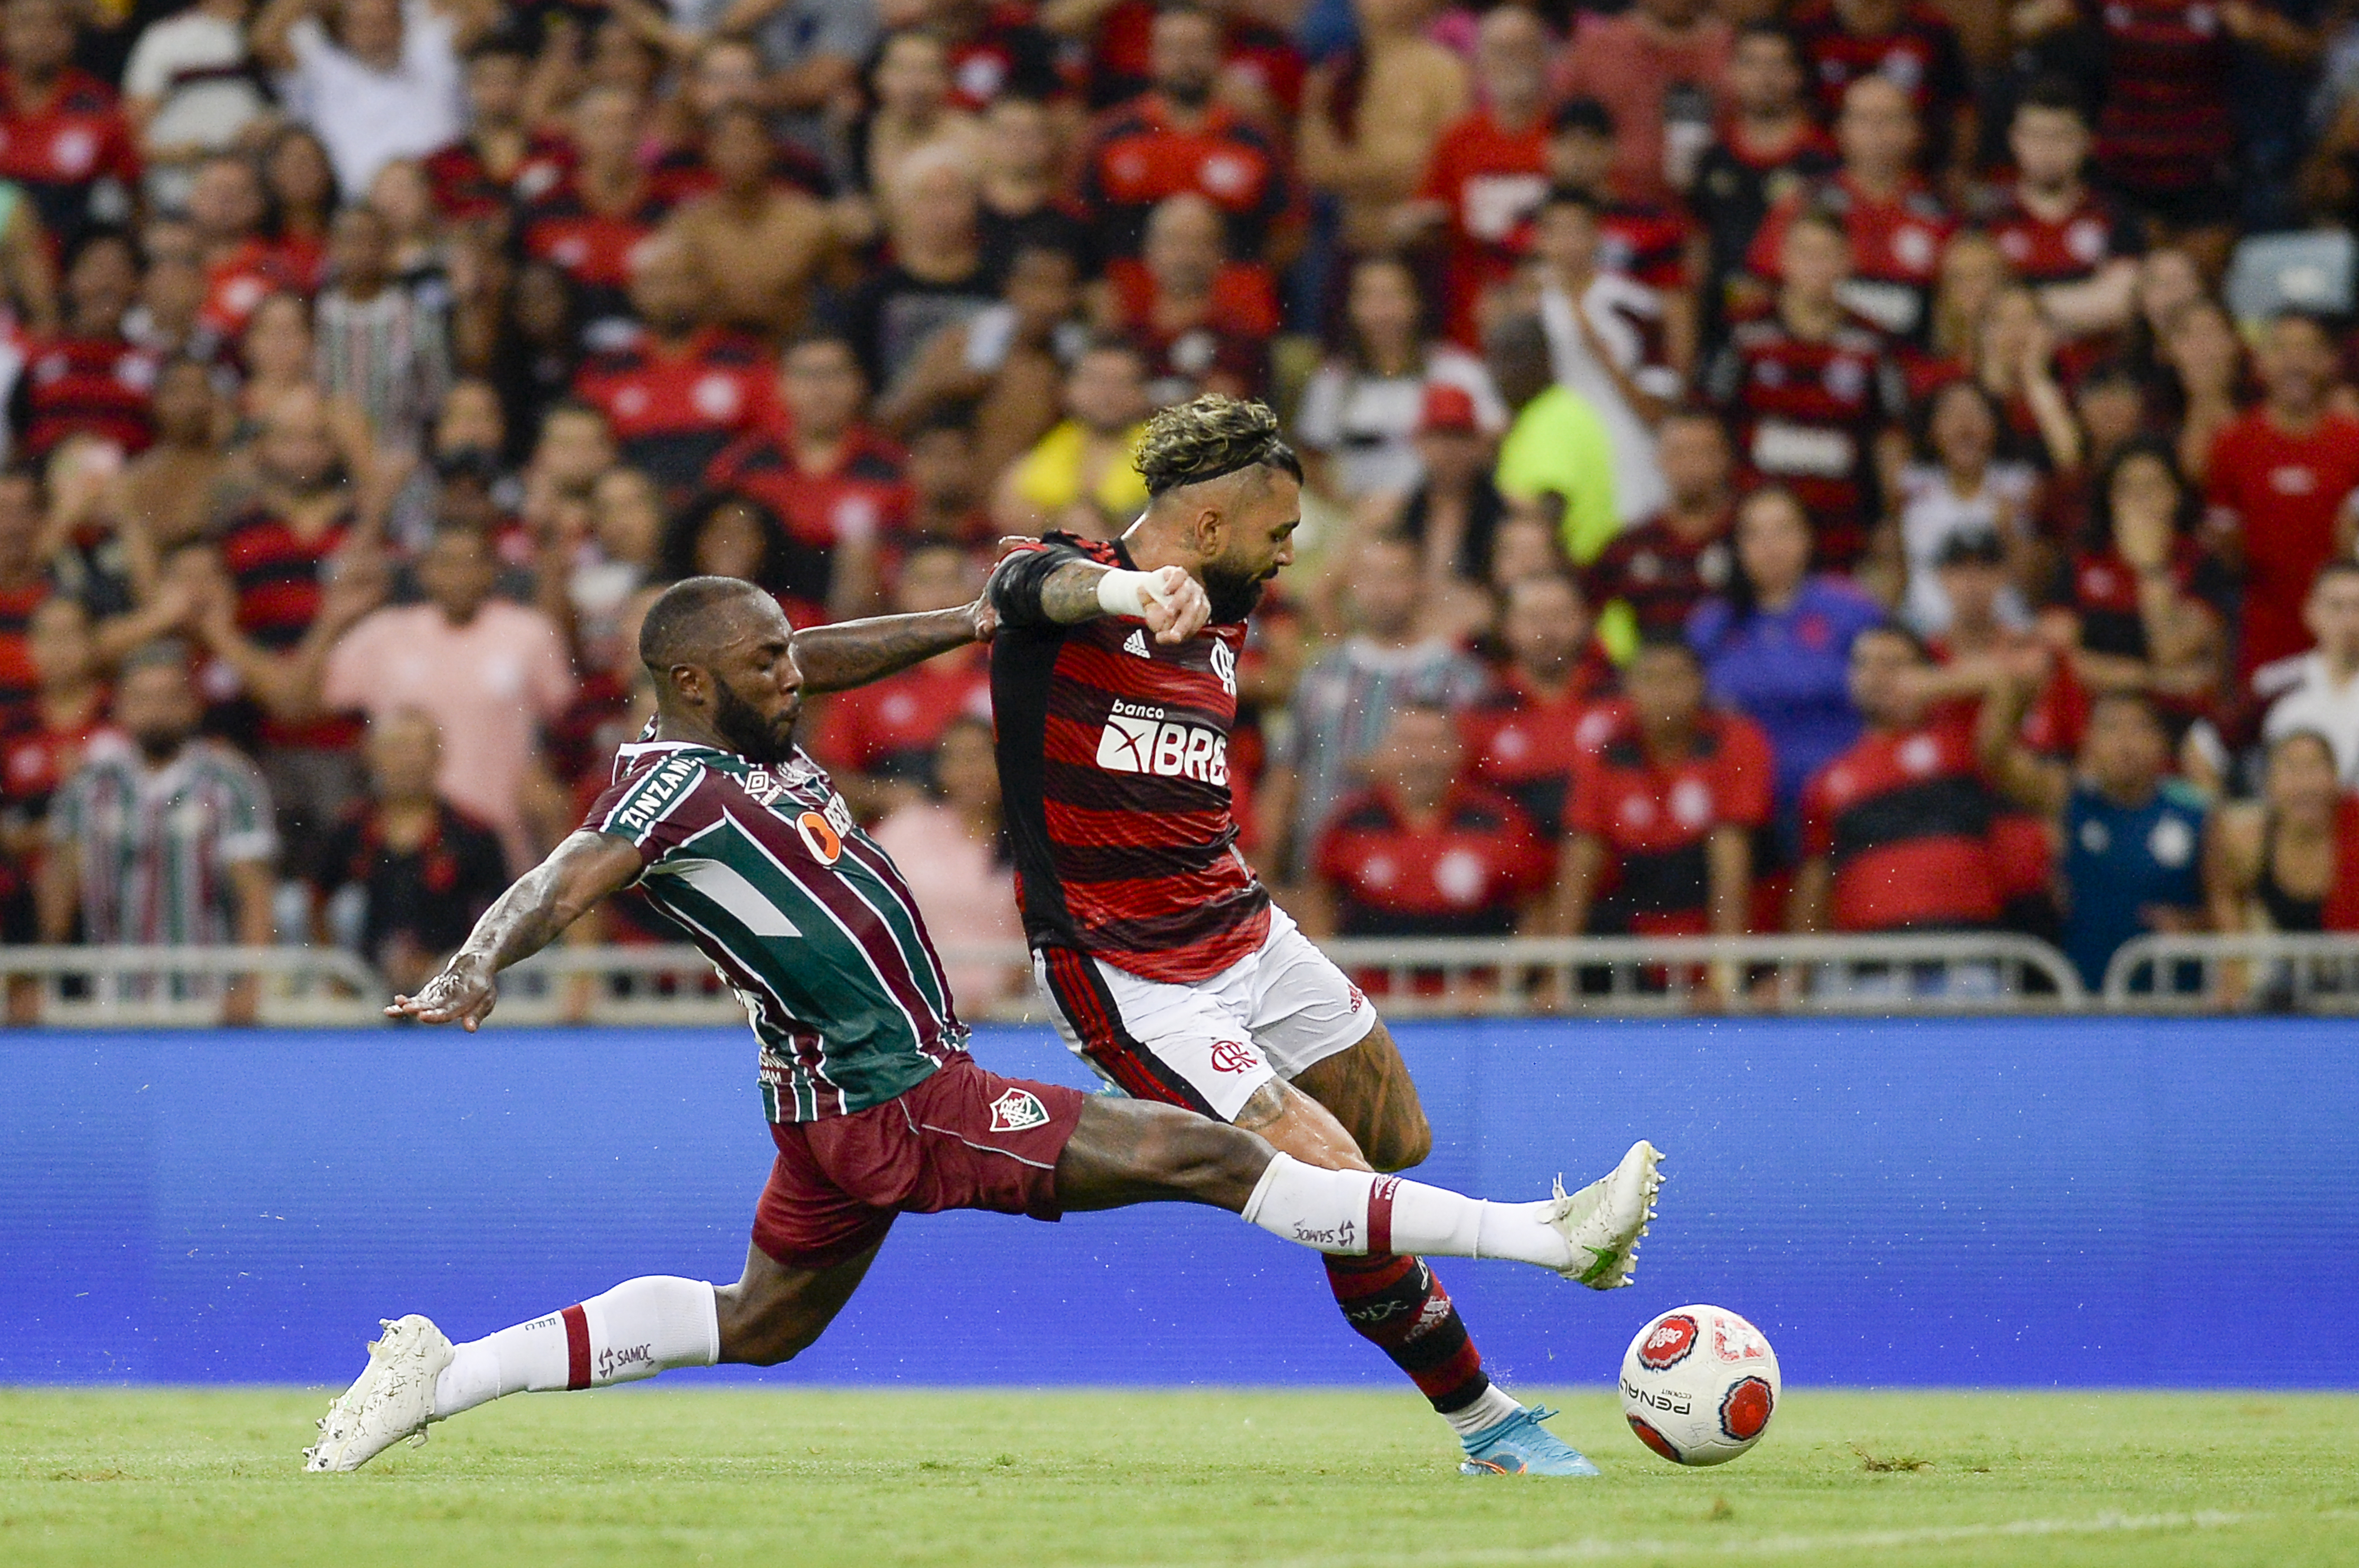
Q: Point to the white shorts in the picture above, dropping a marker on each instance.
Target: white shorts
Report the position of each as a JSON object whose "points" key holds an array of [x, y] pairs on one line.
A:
{"points": [[1207, 1046]]}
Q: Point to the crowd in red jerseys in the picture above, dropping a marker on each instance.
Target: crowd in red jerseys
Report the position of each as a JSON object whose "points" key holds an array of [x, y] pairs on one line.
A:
{"points": [[1652, 362]]}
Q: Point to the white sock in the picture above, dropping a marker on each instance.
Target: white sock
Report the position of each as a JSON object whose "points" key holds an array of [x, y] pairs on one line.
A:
{"points": [[639, 1328], [1494, 1405], [1353, 1213]]}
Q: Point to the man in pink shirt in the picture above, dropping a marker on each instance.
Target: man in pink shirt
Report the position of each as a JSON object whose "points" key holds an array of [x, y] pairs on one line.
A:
{"points": [[488, 672], [1661, 67]]}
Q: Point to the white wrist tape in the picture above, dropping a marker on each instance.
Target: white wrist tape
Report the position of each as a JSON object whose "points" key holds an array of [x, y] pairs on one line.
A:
{"points": [[1128, 593]]}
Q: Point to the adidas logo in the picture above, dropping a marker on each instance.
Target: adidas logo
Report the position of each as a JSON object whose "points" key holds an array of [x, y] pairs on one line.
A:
{"points": [[1136, 644]]}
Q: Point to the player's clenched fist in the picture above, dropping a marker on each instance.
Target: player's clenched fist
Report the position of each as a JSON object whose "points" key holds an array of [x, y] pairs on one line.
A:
{"points": [[1172, 602]]}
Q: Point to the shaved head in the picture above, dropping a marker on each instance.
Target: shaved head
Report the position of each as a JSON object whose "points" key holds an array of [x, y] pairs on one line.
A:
{"points": [[690, 621]]}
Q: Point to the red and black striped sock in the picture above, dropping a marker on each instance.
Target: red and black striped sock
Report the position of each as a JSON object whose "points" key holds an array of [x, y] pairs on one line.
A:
{"points": [[1396, 1305]]}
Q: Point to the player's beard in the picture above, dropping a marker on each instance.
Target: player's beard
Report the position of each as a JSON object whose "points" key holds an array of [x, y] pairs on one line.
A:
{"points": [[1232, 597], [751, 736]]}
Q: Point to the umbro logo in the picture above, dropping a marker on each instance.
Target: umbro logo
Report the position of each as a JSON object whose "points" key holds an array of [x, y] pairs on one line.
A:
{"points": [[1136, 644]]}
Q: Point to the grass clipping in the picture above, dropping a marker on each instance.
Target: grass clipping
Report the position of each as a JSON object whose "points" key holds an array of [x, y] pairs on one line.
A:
{"points": [[1874, 1466]]}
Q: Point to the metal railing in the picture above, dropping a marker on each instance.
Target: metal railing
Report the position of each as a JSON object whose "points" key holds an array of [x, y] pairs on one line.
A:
{"points": [[1596, 976], [2249, 971]]}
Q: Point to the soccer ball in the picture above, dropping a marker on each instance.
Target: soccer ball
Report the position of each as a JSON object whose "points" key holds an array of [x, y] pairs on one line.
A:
{"points": [[1698, 1385]]}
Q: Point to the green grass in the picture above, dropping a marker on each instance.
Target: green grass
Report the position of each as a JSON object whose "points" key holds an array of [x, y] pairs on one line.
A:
{"points": [[1036, 1480]]}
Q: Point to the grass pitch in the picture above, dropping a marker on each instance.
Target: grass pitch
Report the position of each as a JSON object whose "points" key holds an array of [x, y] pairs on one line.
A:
{"points": [[1042, 1480]]}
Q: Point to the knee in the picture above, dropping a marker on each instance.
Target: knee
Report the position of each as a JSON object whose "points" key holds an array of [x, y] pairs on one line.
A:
{"points": [[1217, 1162], [760, 1331], [1402, 1143]]}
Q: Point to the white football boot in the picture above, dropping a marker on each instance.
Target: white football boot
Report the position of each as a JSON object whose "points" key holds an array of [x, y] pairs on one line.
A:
{"points": [[1604, 1220], [393, 1399]]}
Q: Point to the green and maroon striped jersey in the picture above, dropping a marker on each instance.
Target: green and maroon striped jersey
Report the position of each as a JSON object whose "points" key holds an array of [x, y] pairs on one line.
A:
{"points": [[802, 913]]}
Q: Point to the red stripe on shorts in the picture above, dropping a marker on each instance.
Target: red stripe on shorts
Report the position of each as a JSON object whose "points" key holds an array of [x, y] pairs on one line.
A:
{"points": [[577, 1347], [1380, 1215]]}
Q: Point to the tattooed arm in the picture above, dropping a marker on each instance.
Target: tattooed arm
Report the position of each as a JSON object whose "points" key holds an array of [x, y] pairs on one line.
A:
{"points": [[854, 653], [1056, 587]]}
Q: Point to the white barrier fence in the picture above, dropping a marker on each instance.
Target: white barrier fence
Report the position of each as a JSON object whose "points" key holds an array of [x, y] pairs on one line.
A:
{"points": [[1965, 972]]}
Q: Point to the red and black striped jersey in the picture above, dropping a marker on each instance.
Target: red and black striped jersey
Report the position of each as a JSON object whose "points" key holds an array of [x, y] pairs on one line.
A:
{"points": [[1138, 157], [61, 152], [464, 186], [19, 679], [1521, 741], [279, 577], [593, 248], [1491, 179], [865, 496], [1114, 768], [2167, 124], [1921, 55], [93, 386], [1660, 573], [1904, 819], [1807, 411], [1655, 815], [673, 410], [1895, 249], [1466, 870], [2067, 249]]}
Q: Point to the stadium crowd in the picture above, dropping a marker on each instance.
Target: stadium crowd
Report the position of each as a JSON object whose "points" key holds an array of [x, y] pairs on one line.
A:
{"points": [[1853, 465]]}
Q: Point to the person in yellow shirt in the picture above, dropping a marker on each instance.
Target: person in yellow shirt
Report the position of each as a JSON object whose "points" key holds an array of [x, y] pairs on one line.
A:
{"points": [[1082, 476], [1556, 455]]}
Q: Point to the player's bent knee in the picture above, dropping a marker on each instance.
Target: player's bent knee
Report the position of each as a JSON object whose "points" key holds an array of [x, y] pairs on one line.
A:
{"points": [[1212, 1162], [1402, 1143]]}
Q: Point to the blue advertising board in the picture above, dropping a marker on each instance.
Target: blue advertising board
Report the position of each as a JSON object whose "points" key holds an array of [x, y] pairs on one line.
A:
{"points": [[2022, 1202]]}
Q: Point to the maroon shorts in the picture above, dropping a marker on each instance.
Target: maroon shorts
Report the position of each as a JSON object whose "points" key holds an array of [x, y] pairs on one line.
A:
{"points": [[964, 1139]]}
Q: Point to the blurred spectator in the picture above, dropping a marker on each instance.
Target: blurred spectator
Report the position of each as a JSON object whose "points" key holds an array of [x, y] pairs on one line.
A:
{"points": [[1454, 513], [277, 350], [44, 748], [1078, 476], [627, 523], [499, 157], [1023, 206], [936, 277], [1424, 850], [2283, 480], [488, 672], [1770, 142], [384, 349], [1006, 365], [880, 741], [405, 875], [1347, 697], [161, 837], [1203, 321], [675, 391], [2072, 242], [589, 222], [909, 87], [190, 88], [1650, 579], [1556, 457], [1489, 170], [1179, 137], [1371, 120], [1810, 394], [63, 138], [1960, 490], [1896, 227], [1605, 341], [1661, 67], [2319, 690], [2200, 362], [2132, 836], [1909, 43], [1668, 795], [300, 184], [755, 246], [835, 485], [2290, 861], [1522, 734], [378, 80], [24, 586], [1776, 647], [951, 847], [1362, 410], [1645, 242], [813, 49], [1896, 830], [2137, 585], [89, 378]]}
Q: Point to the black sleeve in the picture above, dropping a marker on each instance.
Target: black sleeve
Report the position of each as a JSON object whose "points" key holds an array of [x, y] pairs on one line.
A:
{"points": [[1016, 581]]}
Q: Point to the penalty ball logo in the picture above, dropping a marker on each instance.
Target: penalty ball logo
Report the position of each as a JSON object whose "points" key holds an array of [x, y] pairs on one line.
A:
{"points": [[1668, 1346], [1744, 1409]]}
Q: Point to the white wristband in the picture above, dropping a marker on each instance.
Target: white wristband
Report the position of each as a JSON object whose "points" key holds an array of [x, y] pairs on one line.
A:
{"points": [[1127, 593]]}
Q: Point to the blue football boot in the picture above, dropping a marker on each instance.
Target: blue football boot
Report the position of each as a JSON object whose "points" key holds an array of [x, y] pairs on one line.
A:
{"points": [[1520, 1445]]}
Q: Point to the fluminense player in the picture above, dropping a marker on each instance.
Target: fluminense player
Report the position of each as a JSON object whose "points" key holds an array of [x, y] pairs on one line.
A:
{"points": [[1114, 681], [875, 1105]]}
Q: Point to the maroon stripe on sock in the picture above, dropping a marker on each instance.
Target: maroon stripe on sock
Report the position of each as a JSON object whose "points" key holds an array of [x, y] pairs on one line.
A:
{"points": [[1380, 1213], [577, 1347]]}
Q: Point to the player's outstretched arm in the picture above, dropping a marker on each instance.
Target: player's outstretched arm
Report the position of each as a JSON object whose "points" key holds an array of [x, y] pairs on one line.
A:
{"points": [[854, 653], [1056, 587], [521, 921]]}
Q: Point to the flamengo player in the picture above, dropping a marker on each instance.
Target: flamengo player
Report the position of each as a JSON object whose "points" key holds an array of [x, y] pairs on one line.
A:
{"points": [[1114, 683], [875, 1105]]}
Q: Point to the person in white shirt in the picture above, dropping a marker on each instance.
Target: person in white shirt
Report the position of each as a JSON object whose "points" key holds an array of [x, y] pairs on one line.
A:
{"points": [[1605, 339], [1962, 490], [387, 83], [190, 86], [2320, 690]]}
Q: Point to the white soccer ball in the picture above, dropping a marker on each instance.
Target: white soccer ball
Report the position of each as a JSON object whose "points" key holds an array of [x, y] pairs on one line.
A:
{"points": [[1700, 1385]]}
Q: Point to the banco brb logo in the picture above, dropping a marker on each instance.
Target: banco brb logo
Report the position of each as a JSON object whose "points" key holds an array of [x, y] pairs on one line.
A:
{"points": [[1139, 743]]}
